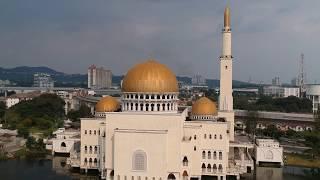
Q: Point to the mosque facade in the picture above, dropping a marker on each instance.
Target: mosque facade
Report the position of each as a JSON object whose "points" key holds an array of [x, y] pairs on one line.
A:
{"points": [[145, 136]]}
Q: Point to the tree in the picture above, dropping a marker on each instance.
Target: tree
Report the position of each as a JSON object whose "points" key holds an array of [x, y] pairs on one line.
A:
{"points": [[2, 109], [83, 112], [251, 122], [317, 120]]}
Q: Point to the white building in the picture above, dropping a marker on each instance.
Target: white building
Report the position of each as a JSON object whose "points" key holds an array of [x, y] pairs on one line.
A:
{"points": [[313, 93], [99, 78], [65, 141], [268, 151], [16, 98], [147, 137], [43, 80], [279, 91]]}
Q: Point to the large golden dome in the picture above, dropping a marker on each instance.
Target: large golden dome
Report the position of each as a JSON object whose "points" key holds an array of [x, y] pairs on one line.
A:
{"points": [[150, 76], [204, 106], [107, 104]]}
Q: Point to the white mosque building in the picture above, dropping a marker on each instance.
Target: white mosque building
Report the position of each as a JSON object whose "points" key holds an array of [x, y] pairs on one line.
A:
{"points": [[146, 137]]}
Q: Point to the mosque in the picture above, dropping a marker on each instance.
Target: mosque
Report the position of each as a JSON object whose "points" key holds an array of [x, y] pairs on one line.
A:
{"points": [[147, 137]]}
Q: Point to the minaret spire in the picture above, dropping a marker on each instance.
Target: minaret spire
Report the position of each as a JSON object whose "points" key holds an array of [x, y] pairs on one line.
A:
{"points": [[227, 17]]}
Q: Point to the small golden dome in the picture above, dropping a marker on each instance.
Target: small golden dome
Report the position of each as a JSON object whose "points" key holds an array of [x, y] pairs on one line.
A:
{"points": [[107, 104], [204, 106], [150, 76]]}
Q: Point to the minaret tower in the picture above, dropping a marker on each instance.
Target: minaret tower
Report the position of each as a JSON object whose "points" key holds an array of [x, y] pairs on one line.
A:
{"points": [[226, 99]]}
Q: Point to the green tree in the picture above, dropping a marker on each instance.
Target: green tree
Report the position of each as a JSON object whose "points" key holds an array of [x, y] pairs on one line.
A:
{"points": [[317, 120], [2, 109], [83, 112], [251, 122]]}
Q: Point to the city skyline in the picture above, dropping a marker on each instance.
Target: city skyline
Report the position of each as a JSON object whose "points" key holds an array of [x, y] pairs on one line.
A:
{"points": [[69, 36]]}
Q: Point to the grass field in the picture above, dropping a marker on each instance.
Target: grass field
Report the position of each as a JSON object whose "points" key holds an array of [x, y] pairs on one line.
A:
{"points": [[301, 160]]}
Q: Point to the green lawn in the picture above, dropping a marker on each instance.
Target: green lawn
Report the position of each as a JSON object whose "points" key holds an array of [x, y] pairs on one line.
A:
{"points": [[301, 160]]}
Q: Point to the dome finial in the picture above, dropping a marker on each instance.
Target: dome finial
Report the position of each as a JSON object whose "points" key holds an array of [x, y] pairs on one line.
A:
{"points": [[227, 16]]}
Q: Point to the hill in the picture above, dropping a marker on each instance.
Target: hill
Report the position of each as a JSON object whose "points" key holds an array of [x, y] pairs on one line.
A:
{"points": [[23, 76]]}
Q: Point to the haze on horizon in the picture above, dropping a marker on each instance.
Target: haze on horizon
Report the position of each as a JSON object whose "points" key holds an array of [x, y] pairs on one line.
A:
{"points": [[69, 35]]}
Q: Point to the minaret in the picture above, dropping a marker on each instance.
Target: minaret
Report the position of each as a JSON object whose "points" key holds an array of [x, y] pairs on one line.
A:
{"points": [[226, 99]]}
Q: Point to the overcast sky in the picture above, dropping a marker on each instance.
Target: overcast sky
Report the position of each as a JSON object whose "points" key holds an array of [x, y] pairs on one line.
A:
{"points": [[69, 35]]}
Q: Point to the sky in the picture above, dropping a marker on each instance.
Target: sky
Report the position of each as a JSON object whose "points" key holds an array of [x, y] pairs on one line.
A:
{"points": [[69, 35]]}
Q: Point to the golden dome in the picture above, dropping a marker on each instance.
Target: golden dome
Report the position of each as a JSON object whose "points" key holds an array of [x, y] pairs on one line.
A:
{"points": [[150, 76], [204, 106], [107, 104]]}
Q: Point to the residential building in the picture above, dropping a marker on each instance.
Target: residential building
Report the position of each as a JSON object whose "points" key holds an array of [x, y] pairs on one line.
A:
{"points": [[43, 80], [99, 78]]}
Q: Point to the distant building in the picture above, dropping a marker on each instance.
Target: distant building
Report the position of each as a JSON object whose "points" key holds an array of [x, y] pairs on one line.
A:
{"points": [[279, 91], [313, 93], [99, 78], [276, 81], [198, 80], [16, 98], [43, 80]]}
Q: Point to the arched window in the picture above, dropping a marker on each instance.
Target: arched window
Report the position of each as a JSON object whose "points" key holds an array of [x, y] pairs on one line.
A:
{"points": [[118, 177], [215, 136], [203, 167], [194, 148], [220, 155], [158, 107], [94, 132], [210, 136], [195, 137], [90, 132], [147, 107], [131, 96], [214, 167], [220, 168], [269, 155], [137, 106], [85, 149], [158, 96], [147, 96], [185, 161], [163, 97], [171, 177], [63, 145], [95, 162], [168, 97], [185, 175], [90, 149], [141, 107], [214, 155], [99, 132], [163, 107], [85, 161], [85, 131], [209, 168], [203, 154], [131, 106], [111, 175], [168, 106], [152, 107], [139, 160], [136, 97], [209, 154], [141, 96], [220, 136], [95, 149], [90, 162], [152, 96]]}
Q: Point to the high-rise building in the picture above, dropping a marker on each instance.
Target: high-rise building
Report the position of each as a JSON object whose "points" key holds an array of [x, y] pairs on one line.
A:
{"points": [[99, 78], [276, 81], [198, 80], [43, 80]]}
